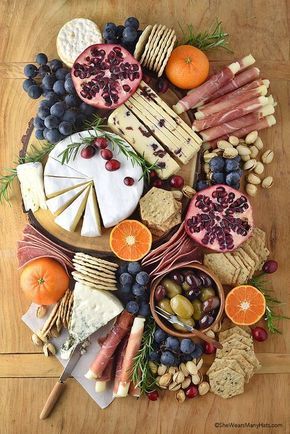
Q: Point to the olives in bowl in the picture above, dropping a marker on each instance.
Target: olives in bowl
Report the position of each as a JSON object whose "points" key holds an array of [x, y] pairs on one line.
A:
{"points": [[192, 293]]}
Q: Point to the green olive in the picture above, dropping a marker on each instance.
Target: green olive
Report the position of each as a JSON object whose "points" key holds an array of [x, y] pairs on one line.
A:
{"points": [[197, 309], [165, 305], [181, 306], [185, 286], [172, 288], [207, 293], [188, 321]]}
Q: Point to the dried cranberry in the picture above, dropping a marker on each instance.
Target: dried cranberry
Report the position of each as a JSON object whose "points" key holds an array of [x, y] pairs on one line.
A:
{"points": [[106, 154], [128, 181], [112, 165], [88, 152], [158, 183], [101, 142]]}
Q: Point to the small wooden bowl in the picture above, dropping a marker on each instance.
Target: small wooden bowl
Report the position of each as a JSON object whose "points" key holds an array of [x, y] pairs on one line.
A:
{"points": [[169, 329]]}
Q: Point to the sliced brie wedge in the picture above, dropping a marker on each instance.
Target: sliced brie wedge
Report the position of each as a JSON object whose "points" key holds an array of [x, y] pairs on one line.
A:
{"points": [[92, 222], [56, 168], [70, 217], [54, 186], [59, 203]]}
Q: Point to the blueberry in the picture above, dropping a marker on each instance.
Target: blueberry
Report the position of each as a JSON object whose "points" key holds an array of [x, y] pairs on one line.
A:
{"points": [[154, 357], [218, 178], [138, 290], [48, 81], [41, 59], [65, 128], [69, 86], [58, 109], [51, 97], [132, 22], [27, 83], [125, 290], [34, 91], [144, 309], [134, 268], [43, 70], [142, 278], [217, 164], [87, 109], [112, 41], [172, 344], [126, 279], [58, 87], [109, 33], [231, 165], [187, 346], [110, 27], [197, 352], [132, 307], [55, 64], [168, 359], [39, 134], [201, 184], [233, 178], [81, 118], [43, 112], [119, 31], [186, 357], [236, 186], [123, 268], [159, 335], [30, 70], [72, 100], [70, 116], [129, 34], [38, 123], [61, 73], [53, 136], [45, 131], [51, 122]]}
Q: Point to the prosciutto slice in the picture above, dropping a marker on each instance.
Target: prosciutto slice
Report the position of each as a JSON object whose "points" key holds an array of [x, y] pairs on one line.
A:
{"points": [[119, 363], [201, 93], [132, 349], [236, 124], [234, 113], [119, 330], [230, 100]]}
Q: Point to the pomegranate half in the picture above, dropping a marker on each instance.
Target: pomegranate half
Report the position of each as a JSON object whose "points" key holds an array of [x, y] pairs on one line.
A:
{"points": [[106, 75], [219, 218]]}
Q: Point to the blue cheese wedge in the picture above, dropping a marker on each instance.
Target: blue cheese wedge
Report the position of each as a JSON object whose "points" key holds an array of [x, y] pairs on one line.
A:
{"points": [[70, 217], [92, 309], [59, 203], [124, 122], [91, 226], [30, 176]]}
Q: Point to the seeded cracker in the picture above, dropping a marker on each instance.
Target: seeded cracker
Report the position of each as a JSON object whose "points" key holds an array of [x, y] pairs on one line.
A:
{"points": [[219, 364], [227, 383], [233, 261], [247, 367], [245, 340], [248, 249], [157, 206], [169, 51], [142, 42], [220, 265], [236, 329]]}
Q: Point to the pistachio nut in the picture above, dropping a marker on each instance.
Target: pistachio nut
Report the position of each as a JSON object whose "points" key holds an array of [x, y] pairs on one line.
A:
{"points": [[259, 168], [253, 179], [250, 164], [267, 182], [180, 396], [251, 137], [258, 143], [203, 388], [254, 151], [251, 190], [243, 150], [234, 140], [268, 156]]}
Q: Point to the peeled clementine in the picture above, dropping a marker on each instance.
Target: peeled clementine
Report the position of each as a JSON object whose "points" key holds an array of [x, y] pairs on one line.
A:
{"points": [[44, 281], [130, 240], [187, 67], [245, 305]]}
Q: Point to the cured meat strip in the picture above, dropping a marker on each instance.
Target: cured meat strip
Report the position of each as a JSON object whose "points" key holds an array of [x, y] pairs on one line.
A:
{"points": [[119, 330], [119, 363], [29, 229], [30, 255], [236, 124], [230, 100], [45, 248], [107, 375], [132, 349], [234, 113], [266, 122], [201, 93]]}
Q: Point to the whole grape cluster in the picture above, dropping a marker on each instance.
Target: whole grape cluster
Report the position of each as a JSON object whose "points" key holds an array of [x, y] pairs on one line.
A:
{"points": [[222, 171], [171, 351], [133, 288], [126, 35], [61, 112]]}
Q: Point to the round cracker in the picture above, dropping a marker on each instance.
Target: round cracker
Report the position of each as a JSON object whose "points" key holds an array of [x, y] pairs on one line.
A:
{"points": [[142, 42], [169, 51], [147, 46], [153, 52], [162, 50]]}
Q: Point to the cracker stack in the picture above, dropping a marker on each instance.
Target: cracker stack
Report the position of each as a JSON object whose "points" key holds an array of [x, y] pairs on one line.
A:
{"points": [[59, 316], [236, 268], [160, 211], [154, 47], [234, 364], [95, 272]]}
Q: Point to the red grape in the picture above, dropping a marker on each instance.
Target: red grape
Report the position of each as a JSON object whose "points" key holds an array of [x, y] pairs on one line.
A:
{"points": [[88, 152], [106, 154], [153, 396], [270, 266], [112, 165], [177, 182], [101, 142], [191, 392], [259, 334], [209, 348]]}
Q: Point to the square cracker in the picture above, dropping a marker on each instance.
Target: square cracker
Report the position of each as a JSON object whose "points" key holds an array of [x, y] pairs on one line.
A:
{"points": [[219, 364], [244, 272], [221, 266], [226, 383], [236, 329], [234, 262], [248, 249], [247, 261]]}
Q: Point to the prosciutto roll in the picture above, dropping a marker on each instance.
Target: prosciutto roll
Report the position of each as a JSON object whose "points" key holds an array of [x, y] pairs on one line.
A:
{"points": [[201, 93], [107, 375], [237, 124], [119, 363], [119, 330]]}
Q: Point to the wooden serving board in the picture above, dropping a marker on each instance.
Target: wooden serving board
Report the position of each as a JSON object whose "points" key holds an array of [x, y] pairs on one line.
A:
{"points": [[44, 219]]}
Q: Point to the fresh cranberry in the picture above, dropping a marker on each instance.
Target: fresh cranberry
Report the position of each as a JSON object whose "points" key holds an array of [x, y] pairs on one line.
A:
{"points": [[158, 183], [177, 182], [101, 142], [162, 85], [153, 174], [153, 396], [106, 154], [270, 266], [112, 165], [160, 293], [191, 392], [209, 348], [259, 334], [88, 152], [128, 181]]}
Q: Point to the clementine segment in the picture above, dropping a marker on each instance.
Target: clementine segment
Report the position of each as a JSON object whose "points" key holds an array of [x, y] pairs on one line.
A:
{"points": [[187, 67], [245, 305], [130, 240]]}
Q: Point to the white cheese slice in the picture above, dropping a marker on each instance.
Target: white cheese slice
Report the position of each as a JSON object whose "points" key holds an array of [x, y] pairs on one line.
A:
{"points": [[92, 309], [58, 203], [70, 217], [56, 168], [30, 176], [54, 186], [91, 222]]}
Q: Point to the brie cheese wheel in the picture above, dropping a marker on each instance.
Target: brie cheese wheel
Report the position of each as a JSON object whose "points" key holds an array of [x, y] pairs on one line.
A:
{"points": [[58, 203], [92, 309], [55, 186], [70, 217], [56, 168], [91, 226]]}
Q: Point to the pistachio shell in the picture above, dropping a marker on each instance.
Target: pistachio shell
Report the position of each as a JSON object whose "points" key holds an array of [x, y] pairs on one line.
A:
{"points": [[203, 388], [195, 379], [184, 369], [259, 168], [191, 367], [243, 150], [172, 370], [165, 380], [267, 157], [267, 182], [251, 137], [153, 367], [210, 333], [223, 144], [251, 189], [253, 179], [199, 365], [245, 157], [254, 151], [206, 168], [207, 156], [180, 396], [174, 386], [178, 377], [250, 164], [234, 140], [258, 143], [161, 369], [188, 191], [186, 383], [230, 153]]}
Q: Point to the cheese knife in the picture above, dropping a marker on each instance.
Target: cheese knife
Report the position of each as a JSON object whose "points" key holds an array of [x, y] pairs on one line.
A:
{"points": [[59, 386]]}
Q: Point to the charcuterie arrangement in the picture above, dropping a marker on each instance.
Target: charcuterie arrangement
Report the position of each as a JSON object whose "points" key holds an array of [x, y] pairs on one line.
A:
{"points": [[137, 175]]}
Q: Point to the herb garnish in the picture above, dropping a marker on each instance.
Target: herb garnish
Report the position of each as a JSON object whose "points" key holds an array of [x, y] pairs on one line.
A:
{"points": [[215, 37], [271, 317]]}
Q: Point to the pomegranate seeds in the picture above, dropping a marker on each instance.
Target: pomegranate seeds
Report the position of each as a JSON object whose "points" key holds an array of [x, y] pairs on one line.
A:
{"points": [[88, 152], [106, 154], [128, 181], [101, 142], [112, 165]]}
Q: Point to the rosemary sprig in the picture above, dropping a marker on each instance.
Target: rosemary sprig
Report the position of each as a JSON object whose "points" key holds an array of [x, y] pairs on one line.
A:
{"points": [[35, 155], [215, 37], [142, 376], [271, 317]]}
